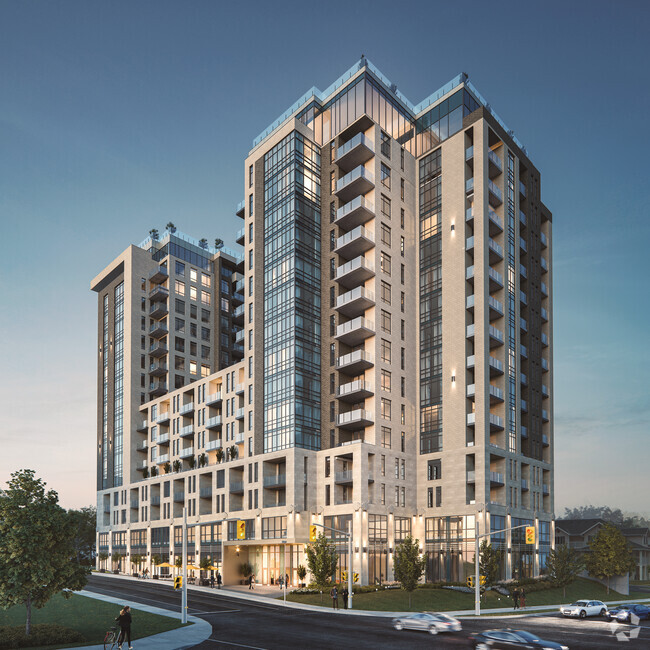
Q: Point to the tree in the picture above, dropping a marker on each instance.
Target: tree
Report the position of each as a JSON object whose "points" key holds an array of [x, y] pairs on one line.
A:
{"points": [[168, 468], [234, 452], [218, 243], [563, 566], [84, 523], [219, 455], [145, 473], [408, 566], [136, 561], [103, 556], [205, 563], [246, 569], [322, 561], [178, 562], [489, 563], [171, 227], [301, 571], [192, 462], [156, 559], [153, 233], [609, 554], [203, 242], [37, 546], [177, 465], [203, 460]]}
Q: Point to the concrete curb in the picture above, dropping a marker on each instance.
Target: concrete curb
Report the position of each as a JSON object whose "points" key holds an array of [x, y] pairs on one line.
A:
{"points": [[186, 637]]}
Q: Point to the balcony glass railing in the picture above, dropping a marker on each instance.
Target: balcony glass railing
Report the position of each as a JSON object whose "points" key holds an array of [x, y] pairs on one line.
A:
{"points": [[495, 304], [495, 218], [496, 477], [354, 265], [497, 248], [495, 275], [469, 185], [494, 159], [354, 387], [357, 203], [469, 243], [355, 294], [469, 153], [352, 417], [356, 233], [357, 140], [355, 174], [492, 186], [275, 481], [358, 356], [496, 364], [469, 214], [496, 334]]}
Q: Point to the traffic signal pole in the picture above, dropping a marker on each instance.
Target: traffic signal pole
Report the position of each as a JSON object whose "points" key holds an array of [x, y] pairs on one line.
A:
{"points": [[184, 589]]}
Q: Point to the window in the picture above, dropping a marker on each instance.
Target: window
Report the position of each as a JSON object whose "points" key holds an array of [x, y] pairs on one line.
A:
{"points": [[382, 495], [194, 311], [332, 240], [385, 408], [430, 498], [402, 300], [383, 465], [385, 234], [385, 145], [180, 268], [385, 322], [385, 351], [438, 496], [327, 495], [332, 182], [332, 296], [397, 496], [205, 370], [332, 325], [385, 206], [179, 344], [403, 359], [327, 466], [385, 263], [385, 292], [250, 259], [193, 275], [332, 354], [401, 246], [193, 329], [205, 352], [385, 176], [401, 159], [332, 211], [205, 279], [332, 383], [401, 188], [193, 367], [403, 387], [402, 415], [397, 468], [403, 496], [205, 297], [250, 176], [403, 442], [385, 381], [180, 287], [332, 269], [403, 330], [179, 325], [401, 217], [385, 442], [332, 151], [402, 273], [205, 333], [205, 316], [193, 293], [250, 204]]}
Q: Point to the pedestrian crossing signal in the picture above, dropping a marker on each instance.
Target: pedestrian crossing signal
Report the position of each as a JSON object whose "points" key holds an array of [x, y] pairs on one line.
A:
{"points": [[530, 534], [313, 533], [241, 529], [178, 582]]}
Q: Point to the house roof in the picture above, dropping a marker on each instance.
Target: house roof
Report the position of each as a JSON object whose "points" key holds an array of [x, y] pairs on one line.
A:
{"points": [[635, 531], [577, 526]]}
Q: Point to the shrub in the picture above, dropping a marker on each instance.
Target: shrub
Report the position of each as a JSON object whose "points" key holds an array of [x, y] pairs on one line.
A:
{"points": [[42, 634]]}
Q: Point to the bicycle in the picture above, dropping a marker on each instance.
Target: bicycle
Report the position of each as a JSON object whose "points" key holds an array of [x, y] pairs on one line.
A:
{"points": [[111, 638]]}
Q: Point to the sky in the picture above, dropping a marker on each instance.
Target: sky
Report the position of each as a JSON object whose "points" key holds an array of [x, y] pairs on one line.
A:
{"points": [[117, 117]]}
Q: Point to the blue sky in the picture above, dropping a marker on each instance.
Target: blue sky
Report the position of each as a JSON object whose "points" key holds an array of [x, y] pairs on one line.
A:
{"points": [[118, 117]]}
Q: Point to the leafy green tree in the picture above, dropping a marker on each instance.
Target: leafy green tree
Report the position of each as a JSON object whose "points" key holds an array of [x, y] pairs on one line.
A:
{"points": [[136, 561], [205, 563], [563, 566], [103, 556], [609, 554], [322, 561], [218, 243], [489, 563], [84, 522], [203, 242], [408, 565], [171, 227], [301, 571], [37, 546]]}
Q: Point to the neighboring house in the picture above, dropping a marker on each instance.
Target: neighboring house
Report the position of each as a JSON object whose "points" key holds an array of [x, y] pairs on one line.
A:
{"points": [[577, 533]]}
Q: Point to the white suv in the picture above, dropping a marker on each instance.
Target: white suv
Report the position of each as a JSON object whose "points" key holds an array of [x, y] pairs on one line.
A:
{"points": [[584, 608]]}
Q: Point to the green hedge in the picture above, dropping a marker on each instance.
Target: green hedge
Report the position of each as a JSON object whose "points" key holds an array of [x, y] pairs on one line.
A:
{"points": [[41, 634]]}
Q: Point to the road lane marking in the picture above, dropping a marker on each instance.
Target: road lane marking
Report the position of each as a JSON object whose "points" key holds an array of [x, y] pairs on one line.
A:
{"points": [[200, 612], [239, 645]]}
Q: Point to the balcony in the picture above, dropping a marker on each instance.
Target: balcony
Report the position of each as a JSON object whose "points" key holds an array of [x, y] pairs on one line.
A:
{"points": [[187, 431], [187, 452], [495, 308], [205, 493], [179, 497], [239, 260], [135, 504], [495, 196], [158, 349], [469, 215], [496, 422], [545, 490], [522, 189], [545, 441], [545, 417], [239, 336], [544, 340], [355, 213], [142, 426], [159, 275], [238, 315], [470, 477], [469, 186], [523, 324], [187, 409], [496, 279], [469, 153], [213, 422], [355, 152], [469, 302], [469, 244], [343, 478], [162, 439], [355, 243], [545, 392], [522, 218], [213, 398], [157, 388], [155, 500], [471, 361], [355, 391], [213, 445], [237, 298], [239, 413], [496, 337], [158, 309], [238, 282], [236, 487], [240, 210], [496, 395], [141, 464], [496, 366], [158, 369], [471, 419], [544, 314], [355, 331], [158, 293], [544, 289], [276, 482], [522, 272], [357, 182], [495, 166], [355, 362], [543, 240], [356, 272], [355, 302], [162, 417], [239, 438], [496, 251], [524, 406], [469, 273], [524, 485], [496, 225], [158, 330], [523, 298], [496, 478], [524, 431], [544, 365], [240, 235], [161, 460], [357, 419], [469, 331], [523, 245], [523, 350]]}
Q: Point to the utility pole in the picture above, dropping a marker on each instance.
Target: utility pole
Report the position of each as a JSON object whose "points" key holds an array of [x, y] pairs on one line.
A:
{"points": [[184, 590]]}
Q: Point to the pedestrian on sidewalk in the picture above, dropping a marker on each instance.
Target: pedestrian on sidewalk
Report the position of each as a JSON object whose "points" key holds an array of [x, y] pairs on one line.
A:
{"points": [[253, 582], [515, 599], [124, 621], [218, 580], [522, 599], [334, 593], [344, 593], [286, 580], [250, 581], [212, 581], [280, 582]]}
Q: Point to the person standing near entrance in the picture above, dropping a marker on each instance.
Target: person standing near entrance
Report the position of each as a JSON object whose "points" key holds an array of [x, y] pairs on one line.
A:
{"points": [[334, 593]]}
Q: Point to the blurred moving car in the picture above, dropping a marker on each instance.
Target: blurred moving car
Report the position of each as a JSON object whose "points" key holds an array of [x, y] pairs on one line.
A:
{"points": [[507, 638], [428, 622], [584, 608], [624, 612]]}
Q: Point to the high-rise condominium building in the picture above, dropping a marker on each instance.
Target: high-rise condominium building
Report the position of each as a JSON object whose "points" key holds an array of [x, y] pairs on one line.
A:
{"points": [[379, 359]]}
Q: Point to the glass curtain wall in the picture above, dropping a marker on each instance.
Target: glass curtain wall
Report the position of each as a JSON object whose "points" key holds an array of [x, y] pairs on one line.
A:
{"points": [[105, 396], [523, 563], [118, 403], [449, 548], [430, 184], [292, 295], [512, 313]]}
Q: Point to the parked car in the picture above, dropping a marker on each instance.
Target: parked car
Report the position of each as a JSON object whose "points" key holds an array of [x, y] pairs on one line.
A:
{"points": [[623, 612], [428, 622], [584, 608], [507, 638]]}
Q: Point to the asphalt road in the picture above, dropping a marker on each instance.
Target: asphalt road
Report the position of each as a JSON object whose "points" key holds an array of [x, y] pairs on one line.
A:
{"points": [[270, 626]]}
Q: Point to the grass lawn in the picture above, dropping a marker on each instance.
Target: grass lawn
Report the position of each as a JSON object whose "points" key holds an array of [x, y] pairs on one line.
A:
{"points": [[89, 616], [396, 600]]}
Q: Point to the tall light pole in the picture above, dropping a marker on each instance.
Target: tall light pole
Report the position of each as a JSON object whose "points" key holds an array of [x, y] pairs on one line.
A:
{"points": [[184, 590]]}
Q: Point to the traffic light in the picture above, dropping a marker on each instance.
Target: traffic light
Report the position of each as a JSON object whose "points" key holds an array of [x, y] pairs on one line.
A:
{"points": [[530, 534], [178, 582], [313, 533], [470, 581], [482, 580], [241, 529]]}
